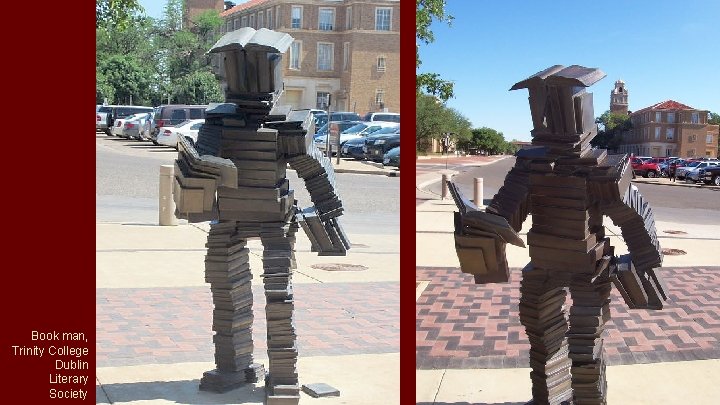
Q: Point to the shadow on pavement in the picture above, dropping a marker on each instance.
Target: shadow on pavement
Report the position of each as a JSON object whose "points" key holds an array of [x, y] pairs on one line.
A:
{"points": [[180, 392]]}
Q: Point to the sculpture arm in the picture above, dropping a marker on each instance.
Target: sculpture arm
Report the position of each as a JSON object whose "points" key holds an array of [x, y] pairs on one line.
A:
{"points": [[320, 222], [635, 275]]}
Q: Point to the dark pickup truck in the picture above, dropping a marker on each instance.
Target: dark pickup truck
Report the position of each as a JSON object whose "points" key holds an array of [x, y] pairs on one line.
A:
{"points": [[710, 175]]}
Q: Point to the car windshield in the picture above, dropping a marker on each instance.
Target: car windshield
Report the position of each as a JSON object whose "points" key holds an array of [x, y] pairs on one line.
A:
{"points": [[354, 129], [693, 164], [387, 130]]}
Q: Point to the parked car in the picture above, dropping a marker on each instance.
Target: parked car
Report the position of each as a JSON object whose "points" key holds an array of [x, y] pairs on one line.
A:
{"points": [[132, 129], [106, 115], [382, 116], [322, 134], [376, 147], [392, 157], [172, 114], [321, 118], [168, 136], [691, 173], [354, 147], [710, 175], [644, 168]]}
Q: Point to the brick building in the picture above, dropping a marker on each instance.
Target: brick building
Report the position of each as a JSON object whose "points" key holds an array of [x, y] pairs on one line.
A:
{"points": [[670, 128], [349, 49]]}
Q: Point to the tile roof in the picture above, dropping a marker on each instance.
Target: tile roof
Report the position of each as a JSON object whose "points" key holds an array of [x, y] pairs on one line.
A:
{"points": [[243, 6], [667, 105]]}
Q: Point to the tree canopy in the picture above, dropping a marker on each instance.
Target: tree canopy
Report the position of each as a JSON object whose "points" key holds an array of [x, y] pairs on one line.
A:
{"points": [[426, 12], [116, 13], [152, 61], [610, 129]]}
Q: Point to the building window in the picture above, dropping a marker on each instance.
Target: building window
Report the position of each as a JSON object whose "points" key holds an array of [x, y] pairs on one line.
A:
{"points": [[657, 133], [295, 48], [646, 133], [348, 18], [269, 18], [296, 17], [326, 19], [346, 56], [658, 116], [695, 118], [261, 19], [671, 117], [709, 138], [691, 153], [325, 53], [383, 16], [243, 21], [228, 27], [380, 98], [668, 152], [322, 100], [235, 24], [252, 20], [692, 138], [670, 134], [381, 64]]}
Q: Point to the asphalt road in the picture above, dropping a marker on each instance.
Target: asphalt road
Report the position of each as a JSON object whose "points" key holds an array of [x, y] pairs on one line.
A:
{"points": [[677, 204], [127, 176]]}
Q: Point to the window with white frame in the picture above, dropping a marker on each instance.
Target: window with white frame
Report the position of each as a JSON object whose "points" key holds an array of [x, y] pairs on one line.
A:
{"points": [[269, 15], [695, 118], [380, 98], [670, 134], [326, 18], [243, 21], [296, 17], [228, 26], [657, 133], [261, 19], [295, 49], [235, 24], [381, 64], [348, 17], [346, 56], [325, 53], [383, 17], [321, 100], [252, 20], [658, 116], [709, 138], [671, 117]]}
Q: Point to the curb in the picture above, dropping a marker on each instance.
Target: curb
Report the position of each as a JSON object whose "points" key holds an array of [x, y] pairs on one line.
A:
{"points": [[680, 183]]}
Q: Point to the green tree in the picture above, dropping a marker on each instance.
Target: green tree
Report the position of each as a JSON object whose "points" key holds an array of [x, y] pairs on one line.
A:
{"points": [[128, 78], [713, 118], [425, 13], [489, 140], [434, 120], [200, 87], [117, 14], [610, 129]]}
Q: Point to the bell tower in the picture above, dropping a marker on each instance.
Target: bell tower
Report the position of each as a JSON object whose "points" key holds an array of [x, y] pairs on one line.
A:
{"points": [[619, 98]]}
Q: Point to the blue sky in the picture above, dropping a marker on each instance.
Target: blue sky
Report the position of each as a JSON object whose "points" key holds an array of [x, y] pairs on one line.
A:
{"points": [[661, 49], [153, 8]]}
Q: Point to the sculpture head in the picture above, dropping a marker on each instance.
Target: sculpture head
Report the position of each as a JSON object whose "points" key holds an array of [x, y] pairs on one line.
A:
{"points": [[559, 104], [247, 62]]}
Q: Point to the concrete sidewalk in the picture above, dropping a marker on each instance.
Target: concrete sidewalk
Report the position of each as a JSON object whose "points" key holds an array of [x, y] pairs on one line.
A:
{"points": [[676, 382], [154, 315]]}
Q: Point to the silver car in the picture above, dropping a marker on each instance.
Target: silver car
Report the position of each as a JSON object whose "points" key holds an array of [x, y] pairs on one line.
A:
{"points": [[693, 173]]}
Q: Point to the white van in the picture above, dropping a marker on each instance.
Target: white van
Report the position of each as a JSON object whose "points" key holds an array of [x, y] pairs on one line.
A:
{"points": [[382, 116]]}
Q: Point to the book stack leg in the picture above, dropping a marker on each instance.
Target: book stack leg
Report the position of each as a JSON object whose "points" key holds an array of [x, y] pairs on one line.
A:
{"points": [[281, 384], [227, 270], [542, 312], [588, 315]]}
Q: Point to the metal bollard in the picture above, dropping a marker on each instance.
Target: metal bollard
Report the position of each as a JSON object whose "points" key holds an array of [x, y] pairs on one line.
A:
{"points": [[478, 191], [444, 186], [167, 204]]}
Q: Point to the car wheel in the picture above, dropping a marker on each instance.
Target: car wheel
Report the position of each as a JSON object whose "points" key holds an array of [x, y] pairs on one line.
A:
{"points": [[716, 180], [651, 173], [155, 143]]}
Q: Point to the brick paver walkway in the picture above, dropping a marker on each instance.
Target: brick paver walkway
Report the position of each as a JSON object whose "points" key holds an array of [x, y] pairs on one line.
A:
{"points": [[173, 325], [463, 325]]}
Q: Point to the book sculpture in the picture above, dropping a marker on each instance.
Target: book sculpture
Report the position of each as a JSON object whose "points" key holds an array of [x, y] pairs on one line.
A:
{"points": [[234, 176], [567, 186]]}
